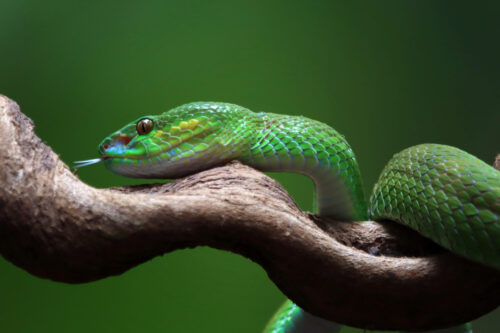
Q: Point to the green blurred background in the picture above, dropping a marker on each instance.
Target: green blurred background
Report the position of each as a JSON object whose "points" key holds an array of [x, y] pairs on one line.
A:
{"points": [[387, 75]]}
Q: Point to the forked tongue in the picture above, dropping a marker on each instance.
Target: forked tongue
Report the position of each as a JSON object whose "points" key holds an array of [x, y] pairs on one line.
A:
{"points": [[80, 164]]}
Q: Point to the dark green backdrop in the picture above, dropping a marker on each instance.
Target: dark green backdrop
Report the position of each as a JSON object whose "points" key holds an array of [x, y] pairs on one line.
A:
{"points": [[386, 74]]}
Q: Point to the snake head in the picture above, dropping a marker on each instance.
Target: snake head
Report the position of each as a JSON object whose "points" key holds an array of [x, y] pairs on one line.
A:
{"points": [[178, 142]]}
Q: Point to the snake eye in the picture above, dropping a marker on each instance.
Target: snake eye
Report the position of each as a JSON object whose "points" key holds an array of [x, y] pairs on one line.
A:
{"points": [[144, 126]]}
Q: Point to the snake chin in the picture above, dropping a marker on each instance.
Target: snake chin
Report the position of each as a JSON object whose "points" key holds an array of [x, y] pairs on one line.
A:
{"points": [[164, 166]]}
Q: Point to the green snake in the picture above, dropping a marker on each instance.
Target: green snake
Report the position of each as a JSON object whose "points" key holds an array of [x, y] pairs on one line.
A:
{"points": [[444, 193]]}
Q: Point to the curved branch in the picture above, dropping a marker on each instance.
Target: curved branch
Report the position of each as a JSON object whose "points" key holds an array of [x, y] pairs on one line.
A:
{"points": [[364, 274]]}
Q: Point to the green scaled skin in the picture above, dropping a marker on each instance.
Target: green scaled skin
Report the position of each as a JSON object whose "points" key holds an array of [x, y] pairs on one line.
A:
{"points": [[442, 192], [291, 318], [446, 195]]}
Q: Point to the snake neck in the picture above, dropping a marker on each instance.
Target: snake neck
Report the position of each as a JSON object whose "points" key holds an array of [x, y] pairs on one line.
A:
{"points": [[302, 145]]}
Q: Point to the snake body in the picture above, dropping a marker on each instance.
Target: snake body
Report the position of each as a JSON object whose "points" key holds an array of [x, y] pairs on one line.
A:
{"points": [[440, 191]]}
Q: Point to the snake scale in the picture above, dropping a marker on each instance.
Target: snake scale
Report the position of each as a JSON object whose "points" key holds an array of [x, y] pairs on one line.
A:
{"points": [[444, 193]]}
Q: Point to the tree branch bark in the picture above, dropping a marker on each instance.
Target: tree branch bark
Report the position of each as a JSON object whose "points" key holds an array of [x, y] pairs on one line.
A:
{"points": [[364, 274]]}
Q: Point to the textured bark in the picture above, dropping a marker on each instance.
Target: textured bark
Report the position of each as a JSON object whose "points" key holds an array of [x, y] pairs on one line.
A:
{"points": [[364, 274]]}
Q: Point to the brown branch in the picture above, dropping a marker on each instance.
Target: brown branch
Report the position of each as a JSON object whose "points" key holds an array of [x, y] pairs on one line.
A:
{"points": [[364, 274]]}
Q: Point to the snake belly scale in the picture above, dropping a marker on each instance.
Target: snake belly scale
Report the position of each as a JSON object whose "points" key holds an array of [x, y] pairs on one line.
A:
{"points": [[444, 193]]}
